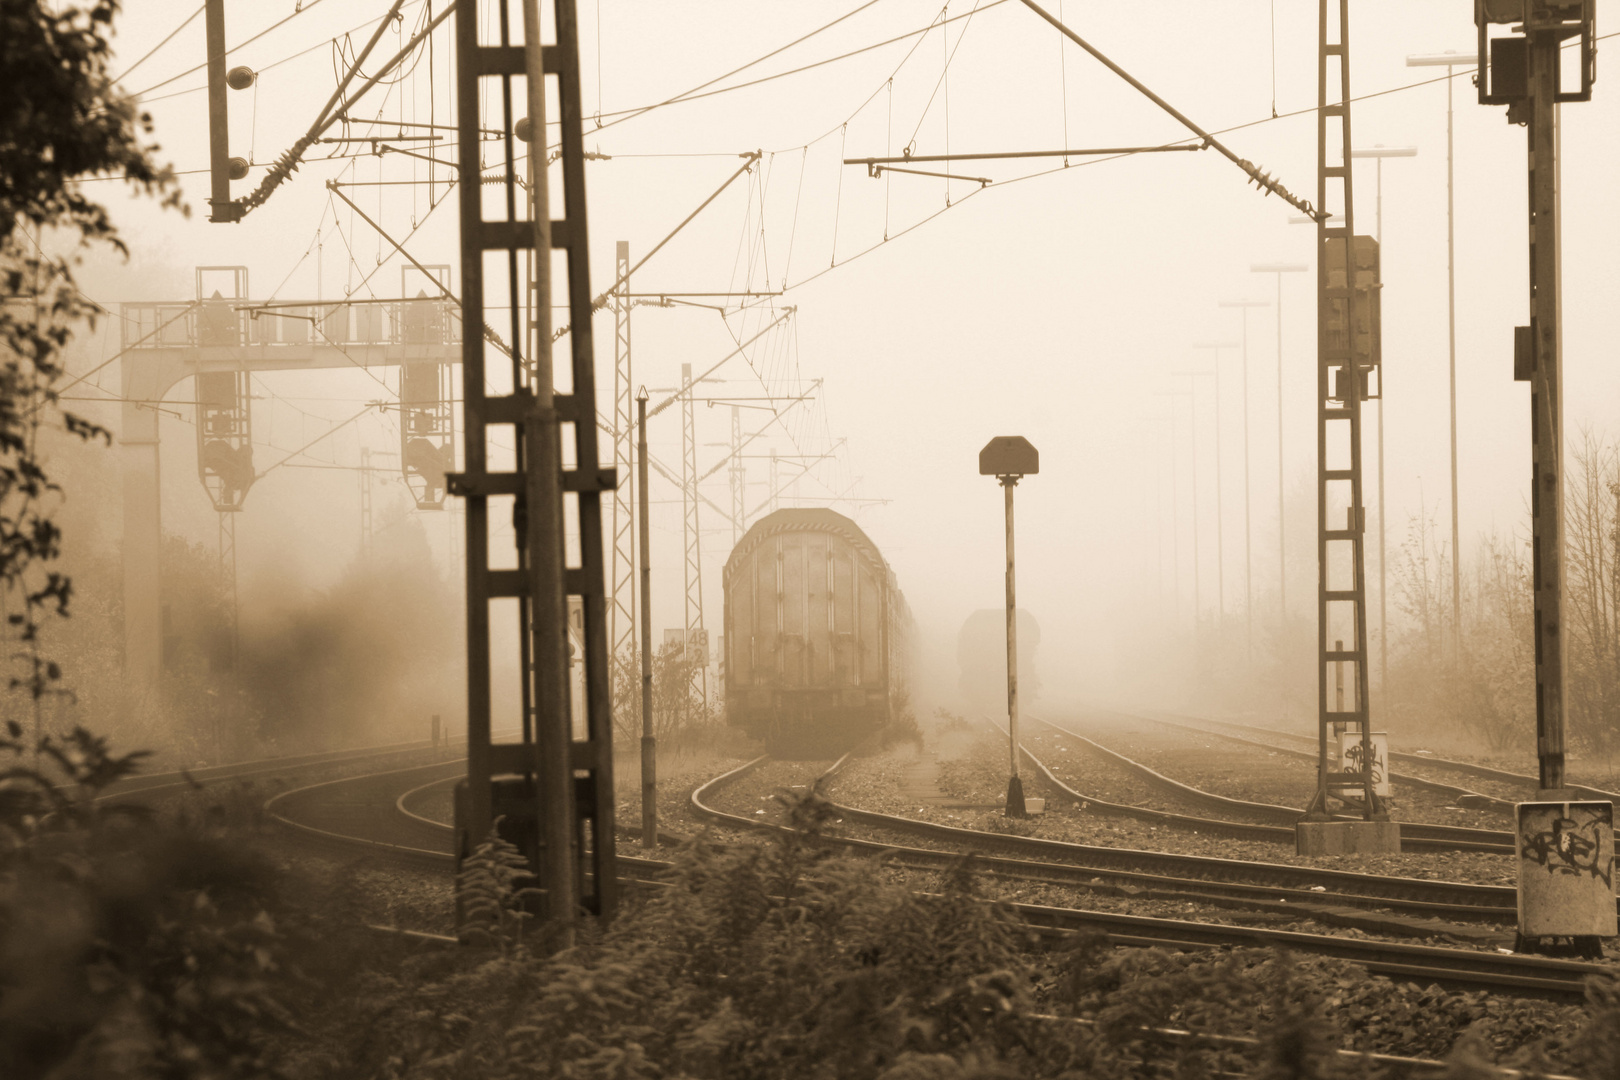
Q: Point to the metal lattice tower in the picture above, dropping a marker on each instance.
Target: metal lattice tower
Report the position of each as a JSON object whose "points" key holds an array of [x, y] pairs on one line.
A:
{"points": [[1341, 384], [622, 608], [737, 475], [691, 534], [553, 787]]}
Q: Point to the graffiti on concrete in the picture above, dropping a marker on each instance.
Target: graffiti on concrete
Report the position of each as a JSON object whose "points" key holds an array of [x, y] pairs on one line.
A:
{"points": [[1572, 846]]}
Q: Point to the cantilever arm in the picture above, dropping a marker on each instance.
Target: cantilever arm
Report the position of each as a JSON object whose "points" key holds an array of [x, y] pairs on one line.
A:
{"points": [[1262, 180]]}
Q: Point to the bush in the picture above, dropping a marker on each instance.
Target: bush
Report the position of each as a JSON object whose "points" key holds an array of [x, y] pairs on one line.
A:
{"points": [[129, 945]]}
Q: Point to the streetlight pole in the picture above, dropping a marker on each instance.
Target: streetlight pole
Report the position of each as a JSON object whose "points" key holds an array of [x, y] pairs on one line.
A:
{"points": [[1379, 153], [1192, 456], [1279, 269], [1010, 458], [1220, 502], [1175, 522], [1248, 535], [1449, 60]]}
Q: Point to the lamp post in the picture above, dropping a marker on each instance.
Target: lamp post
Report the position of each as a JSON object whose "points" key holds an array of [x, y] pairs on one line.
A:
{"points": [[1175, 496], [1248, 536], [1010, 458], [1175, 522], [1279, 269], [1379, 153], [1450, 60], [1220, 512]]}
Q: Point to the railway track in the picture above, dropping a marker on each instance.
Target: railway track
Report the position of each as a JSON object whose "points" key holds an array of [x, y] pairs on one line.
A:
{"points": [[1451, 968], [370, 815], [1304, 892], [146, 785], [1525, 782], [1415, 836]]}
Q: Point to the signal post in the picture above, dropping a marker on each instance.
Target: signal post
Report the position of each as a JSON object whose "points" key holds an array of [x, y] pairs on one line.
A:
{"points": [[1564, 842], [1010, 458]]}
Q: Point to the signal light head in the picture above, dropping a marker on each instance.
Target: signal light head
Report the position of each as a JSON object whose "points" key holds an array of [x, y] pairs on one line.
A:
{"points": [[240, 78]]}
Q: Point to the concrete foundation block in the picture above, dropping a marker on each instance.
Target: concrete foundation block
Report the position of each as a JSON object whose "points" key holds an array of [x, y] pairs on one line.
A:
{"points": [[1347, 838], [1566, 868]]}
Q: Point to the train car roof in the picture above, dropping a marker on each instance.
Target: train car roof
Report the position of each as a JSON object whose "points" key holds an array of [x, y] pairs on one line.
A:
{"points": [[806, 519]]}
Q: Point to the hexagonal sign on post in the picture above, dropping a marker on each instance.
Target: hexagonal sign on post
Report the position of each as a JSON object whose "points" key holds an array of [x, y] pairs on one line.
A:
{"points": [[1009, 455]]}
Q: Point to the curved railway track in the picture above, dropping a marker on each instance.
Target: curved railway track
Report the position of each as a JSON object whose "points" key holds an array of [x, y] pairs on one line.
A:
{"points": [[370, 815], [1525, 781], [1415, 836], [1453, 968], [145, 785]]}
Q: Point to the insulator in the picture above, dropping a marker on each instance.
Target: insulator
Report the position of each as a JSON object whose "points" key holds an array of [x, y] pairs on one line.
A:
{"points": [[240, 78], [237, 168], [521, 129]]}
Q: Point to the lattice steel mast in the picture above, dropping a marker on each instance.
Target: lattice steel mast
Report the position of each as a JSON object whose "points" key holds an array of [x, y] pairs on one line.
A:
{"points": [[555, 791], [622, 607], [1341, 385], [695, 644]]}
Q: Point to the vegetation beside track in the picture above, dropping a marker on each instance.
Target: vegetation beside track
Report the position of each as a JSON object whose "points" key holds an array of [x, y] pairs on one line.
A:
{"points": [[190, 958]]}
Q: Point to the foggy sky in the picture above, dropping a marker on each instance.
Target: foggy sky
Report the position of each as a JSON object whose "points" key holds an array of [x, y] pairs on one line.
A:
{"points": [[1050, 308]]}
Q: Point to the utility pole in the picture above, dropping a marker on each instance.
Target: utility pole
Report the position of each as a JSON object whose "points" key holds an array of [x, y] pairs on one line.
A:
{"points": [[1248, 535], [1379, 153], [1279, 269], [649, 743], [1566, 895], [1010, 458], [1220, 502]]}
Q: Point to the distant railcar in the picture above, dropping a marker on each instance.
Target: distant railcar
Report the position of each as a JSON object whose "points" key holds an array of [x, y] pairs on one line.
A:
{"points": [[817, 634]]}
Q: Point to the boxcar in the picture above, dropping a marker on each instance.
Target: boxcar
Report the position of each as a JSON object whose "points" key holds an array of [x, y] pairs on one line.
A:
{"points": [[817, 634]]}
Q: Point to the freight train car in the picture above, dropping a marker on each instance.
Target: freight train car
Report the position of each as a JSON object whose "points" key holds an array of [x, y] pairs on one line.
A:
{"points": [[817, 634]]}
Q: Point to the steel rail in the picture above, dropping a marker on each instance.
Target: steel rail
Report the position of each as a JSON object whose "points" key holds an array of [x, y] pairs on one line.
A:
{"points": [[439, 857], [1277, 880], [1473, 768], [151, 783], [1453, 968], [1414, 836], [1479, 798]]}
